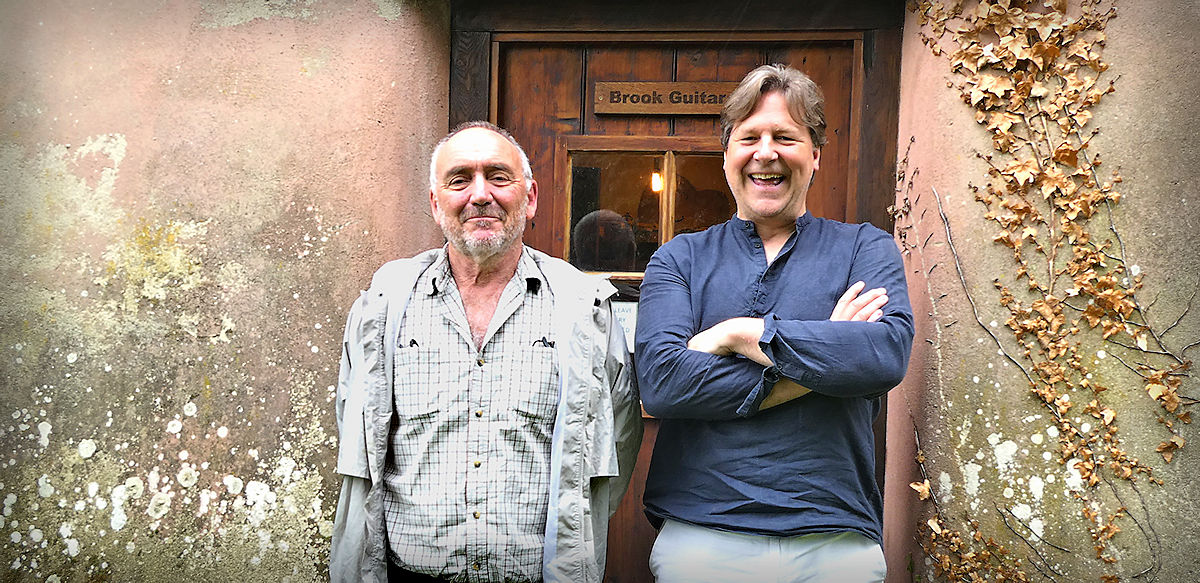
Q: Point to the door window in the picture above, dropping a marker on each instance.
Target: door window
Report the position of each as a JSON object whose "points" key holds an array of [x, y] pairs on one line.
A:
{"points": [[625, 203]]}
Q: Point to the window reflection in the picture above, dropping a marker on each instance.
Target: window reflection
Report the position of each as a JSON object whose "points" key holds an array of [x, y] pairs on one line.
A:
{"points": [[619, 201], [614, 210], [702, 197]]}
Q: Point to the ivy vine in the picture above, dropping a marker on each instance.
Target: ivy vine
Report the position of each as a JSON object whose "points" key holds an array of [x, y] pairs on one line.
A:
{"points": [[1033, 72]]}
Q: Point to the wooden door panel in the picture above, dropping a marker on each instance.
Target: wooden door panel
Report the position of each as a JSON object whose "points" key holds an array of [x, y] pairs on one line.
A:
{"points": [[538, 101], [617, 63], [630, 535], [708, 64], [831, 68]]}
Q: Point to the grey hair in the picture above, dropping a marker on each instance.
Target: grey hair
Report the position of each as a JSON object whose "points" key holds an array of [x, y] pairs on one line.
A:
{"points": [[526, 170], [805, 101]]}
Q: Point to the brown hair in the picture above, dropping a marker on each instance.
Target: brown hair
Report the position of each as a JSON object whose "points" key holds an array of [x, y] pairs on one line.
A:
{"points": [[804, 99]]}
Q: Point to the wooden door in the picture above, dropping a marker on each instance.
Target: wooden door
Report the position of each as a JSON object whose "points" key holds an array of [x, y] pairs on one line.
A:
{"points": [[543, 91]]}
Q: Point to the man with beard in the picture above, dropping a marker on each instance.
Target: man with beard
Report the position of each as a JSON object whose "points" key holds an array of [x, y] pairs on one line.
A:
{"points": [[487, 414], [763, 344]]}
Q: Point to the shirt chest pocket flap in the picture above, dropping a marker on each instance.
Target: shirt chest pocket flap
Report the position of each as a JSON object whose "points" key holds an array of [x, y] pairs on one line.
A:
{"points": [[420, 382]]}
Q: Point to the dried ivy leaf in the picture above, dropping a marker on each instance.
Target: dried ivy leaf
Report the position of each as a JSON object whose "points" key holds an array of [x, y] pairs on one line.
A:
{"points": [[1043, 54], [1024, 171], [922, 489], [1169, 447], [1067, 154], [1156, 390], [1055, 180], [990, 85], [1082, 118], [1002, 122]]}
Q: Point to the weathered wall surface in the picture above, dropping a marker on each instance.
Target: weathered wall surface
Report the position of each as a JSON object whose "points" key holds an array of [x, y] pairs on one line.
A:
{"points": [[191, 195], [1002, 460]]}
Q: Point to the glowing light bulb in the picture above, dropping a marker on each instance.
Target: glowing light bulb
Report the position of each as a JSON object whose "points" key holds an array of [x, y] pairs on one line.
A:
{"points": [[656, 182]]}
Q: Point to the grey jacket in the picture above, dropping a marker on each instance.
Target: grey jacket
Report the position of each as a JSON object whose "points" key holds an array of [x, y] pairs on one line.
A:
{"points": [[597, 430]]}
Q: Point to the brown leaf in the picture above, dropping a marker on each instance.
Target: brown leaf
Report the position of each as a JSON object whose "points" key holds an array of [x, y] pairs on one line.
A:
{"points": [[1081, 118], [1002, 121], [1046, 24], [990, 84], [1054, 180], [1156, 390], [1066, 154], [922, 489], [1023, 171], [1007, 239], [1169, 447], [1016, 46]]}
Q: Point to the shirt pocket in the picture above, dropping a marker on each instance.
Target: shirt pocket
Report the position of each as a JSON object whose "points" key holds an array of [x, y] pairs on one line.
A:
{"points": [[536, 399], [418, 382]]}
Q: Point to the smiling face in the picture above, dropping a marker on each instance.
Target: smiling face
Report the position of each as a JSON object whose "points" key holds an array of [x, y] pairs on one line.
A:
{"points": [[769, 163], [479, 197]]}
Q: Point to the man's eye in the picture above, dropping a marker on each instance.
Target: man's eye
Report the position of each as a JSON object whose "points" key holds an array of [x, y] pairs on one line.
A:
{"points": [[501, 179], [458, 182]]}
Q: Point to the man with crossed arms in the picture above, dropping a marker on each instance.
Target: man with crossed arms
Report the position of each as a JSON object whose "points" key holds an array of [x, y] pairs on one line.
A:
{"points": [[764, 358]]}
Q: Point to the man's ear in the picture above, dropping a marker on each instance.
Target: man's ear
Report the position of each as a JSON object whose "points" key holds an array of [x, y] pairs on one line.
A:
{"points": [[816, 166], [531, 199], [433, 204]]}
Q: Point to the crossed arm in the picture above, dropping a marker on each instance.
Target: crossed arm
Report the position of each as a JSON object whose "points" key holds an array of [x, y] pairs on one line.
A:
{"points": [[742, 335]]}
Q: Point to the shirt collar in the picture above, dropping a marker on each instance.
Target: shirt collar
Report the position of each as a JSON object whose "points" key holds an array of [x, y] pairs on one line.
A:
{"points": [[748, 226], [527, 269], [440, 270]]}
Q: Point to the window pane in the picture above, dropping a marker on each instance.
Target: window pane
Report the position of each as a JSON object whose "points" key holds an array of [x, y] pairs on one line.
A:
{"points": [[614, 210], [702, 196]]}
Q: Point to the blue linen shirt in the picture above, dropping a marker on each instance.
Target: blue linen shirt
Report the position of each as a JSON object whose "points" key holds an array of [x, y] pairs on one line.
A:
{"points": [[803, 467]]}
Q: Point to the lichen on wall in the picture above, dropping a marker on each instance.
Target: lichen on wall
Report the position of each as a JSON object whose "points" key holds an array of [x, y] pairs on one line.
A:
{"points": [[137, 412], [191, 196]]}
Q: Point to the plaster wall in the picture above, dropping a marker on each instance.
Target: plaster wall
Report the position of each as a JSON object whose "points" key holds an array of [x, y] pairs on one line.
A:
{"points": [[191, 195], [990, 448]]}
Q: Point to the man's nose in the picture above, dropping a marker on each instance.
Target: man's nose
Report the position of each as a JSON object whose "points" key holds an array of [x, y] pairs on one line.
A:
{"points": [[481, 193], [765, 151]]}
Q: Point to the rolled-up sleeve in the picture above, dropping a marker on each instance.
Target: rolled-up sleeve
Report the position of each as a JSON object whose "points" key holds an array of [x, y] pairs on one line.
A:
{"points": [[850, 359], [676, 382]]}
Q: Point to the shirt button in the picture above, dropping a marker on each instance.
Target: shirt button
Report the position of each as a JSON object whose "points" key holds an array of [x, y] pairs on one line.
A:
{"points": [[476, 515], [480, 361], [475, 566], [479, 413], [757, 245]]}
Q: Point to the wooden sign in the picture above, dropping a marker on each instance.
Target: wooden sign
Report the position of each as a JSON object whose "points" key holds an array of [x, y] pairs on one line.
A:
{"points": [[662, 98]]}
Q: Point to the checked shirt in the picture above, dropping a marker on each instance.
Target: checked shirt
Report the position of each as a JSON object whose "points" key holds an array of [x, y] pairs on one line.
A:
{"points": [[466, 479]]}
